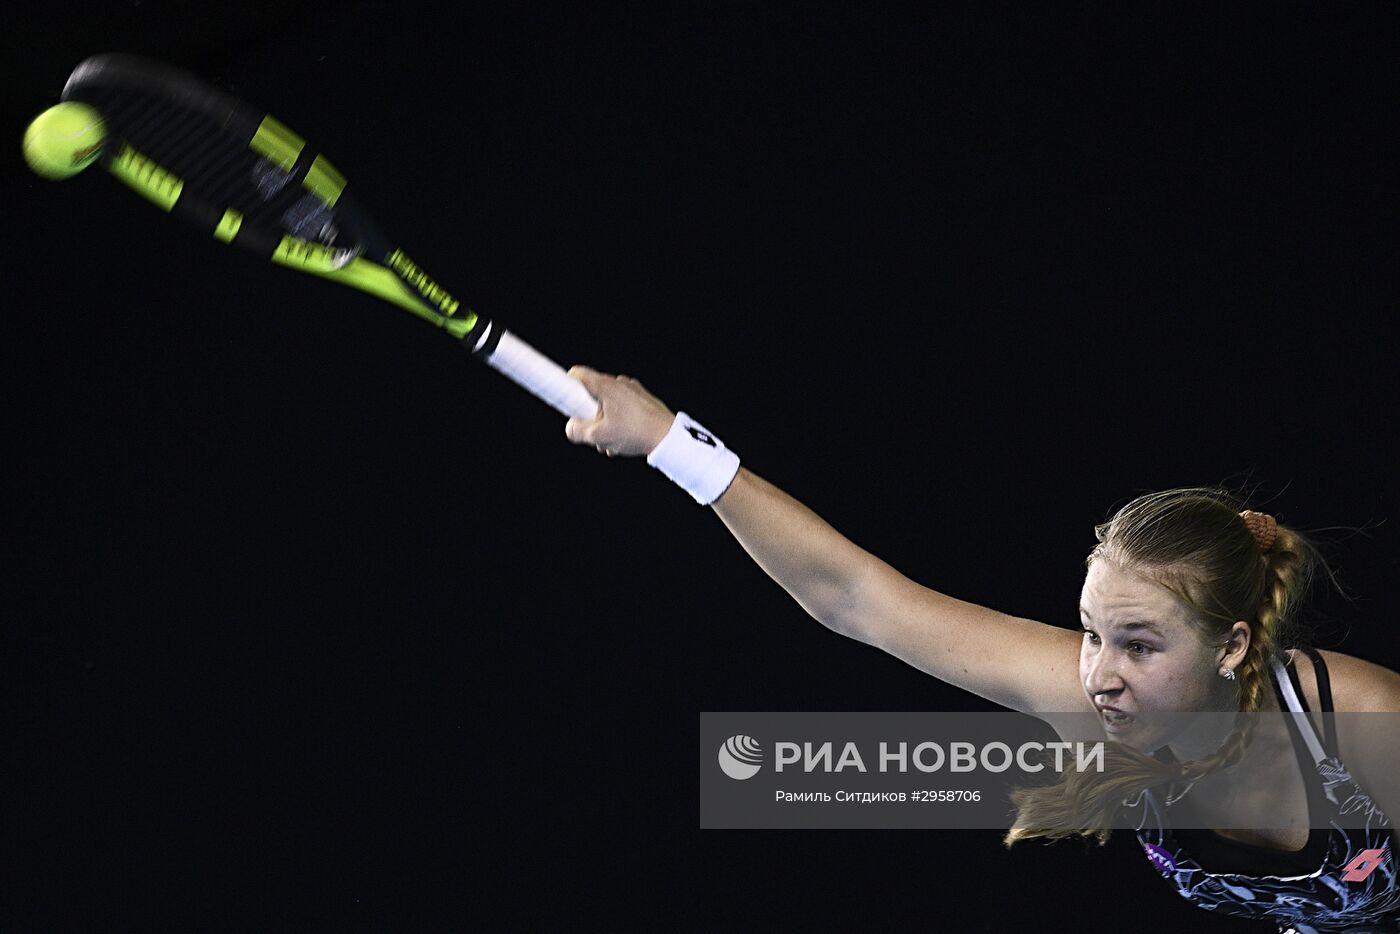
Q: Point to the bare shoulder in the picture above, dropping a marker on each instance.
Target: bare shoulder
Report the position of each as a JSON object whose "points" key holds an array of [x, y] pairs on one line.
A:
{"points": [[1358, 686], [1371, 750]]}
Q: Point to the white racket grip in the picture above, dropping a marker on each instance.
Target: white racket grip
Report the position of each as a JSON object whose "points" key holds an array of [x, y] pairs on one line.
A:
{"points": [[532, 370]]}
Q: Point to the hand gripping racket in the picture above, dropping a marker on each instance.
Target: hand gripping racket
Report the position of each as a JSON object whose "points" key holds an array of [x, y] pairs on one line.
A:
{"points": [[247, 179]]}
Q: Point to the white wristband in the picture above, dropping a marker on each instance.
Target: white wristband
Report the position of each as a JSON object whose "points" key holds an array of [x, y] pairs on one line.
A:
{"points": [[695, 460]]}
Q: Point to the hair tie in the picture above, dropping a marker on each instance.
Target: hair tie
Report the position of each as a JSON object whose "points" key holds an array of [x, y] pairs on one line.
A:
{"points": [[1263, 527]]}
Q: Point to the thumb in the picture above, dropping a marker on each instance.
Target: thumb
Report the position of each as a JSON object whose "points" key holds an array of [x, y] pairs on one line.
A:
{"points": [[580, 430]]}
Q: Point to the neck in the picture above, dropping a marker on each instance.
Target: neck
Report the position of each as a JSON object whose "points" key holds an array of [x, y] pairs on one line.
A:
{"points": [[1207, 733]]}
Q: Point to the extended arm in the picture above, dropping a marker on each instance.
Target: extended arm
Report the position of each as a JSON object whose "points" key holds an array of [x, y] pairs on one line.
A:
{"points": [[1018, 663]]}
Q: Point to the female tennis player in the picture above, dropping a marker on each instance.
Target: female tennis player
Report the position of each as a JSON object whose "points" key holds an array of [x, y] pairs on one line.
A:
{"points": [[1185, 608]]}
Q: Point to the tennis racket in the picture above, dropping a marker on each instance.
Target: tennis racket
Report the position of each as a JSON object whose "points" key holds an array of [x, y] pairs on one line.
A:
{"points": [[247, 179]]}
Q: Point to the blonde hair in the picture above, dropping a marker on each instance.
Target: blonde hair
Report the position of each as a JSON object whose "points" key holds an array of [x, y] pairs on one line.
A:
{"points": [[1195, 543]]}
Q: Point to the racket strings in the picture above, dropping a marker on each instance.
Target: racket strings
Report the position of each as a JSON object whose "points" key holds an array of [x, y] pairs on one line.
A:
{"points": [[205, 139], [216, 165], [189, 144], [204, 161]]}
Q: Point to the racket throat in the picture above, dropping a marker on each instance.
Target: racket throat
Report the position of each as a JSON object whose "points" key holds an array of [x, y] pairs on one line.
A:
{"points": [[414, 275]]}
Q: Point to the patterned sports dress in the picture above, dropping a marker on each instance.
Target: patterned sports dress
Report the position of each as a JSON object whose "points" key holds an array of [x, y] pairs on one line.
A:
{"points": [[1344, 879]]}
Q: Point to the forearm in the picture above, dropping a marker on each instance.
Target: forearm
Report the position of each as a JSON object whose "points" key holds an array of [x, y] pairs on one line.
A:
{"points": [[843, 586], [808, 558], [814, 563]]}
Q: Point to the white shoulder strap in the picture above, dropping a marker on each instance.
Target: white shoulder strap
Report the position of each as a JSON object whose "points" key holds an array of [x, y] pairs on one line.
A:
{"points": [[1295, 708]]}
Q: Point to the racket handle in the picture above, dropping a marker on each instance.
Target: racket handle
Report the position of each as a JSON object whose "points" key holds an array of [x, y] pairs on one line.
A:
{"points": [[532, 370]]}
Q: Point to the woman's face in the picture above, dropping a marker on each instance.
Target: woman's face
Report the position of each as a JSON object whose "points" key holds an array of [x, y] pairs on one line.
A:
{"points": [[1142, 656]]}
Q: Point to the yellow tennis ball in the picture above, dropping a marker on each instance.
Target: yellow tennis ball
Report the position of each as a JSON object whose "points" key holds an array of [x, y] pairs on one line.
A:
{"points": [[64, 140]]}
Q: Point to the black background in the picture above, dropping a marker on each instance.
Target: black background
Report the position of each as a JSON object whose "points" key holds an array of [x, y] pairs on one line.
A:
{"points": [[314, 623]]}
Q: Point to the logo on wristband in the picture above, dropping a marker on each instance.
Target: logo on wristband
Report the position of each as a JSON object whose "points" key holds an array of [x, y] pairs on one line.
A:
{"points": [[700, 436]]}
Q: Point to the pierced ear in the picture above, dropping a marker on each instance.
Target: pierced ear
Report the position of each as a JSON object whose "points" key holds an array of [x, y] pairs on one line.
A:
{"points": [[1237, 644]]}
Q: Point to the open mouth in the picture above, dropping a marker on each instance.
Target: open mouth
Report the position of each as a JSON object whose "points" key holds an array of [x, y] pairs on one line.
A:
{"points": [[1114, 721]]}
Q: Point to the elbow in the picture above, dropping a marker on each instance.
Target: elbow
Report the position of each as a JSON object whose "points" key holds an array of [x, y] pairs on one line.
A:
{"points": [[838, 623], [839, 608]]}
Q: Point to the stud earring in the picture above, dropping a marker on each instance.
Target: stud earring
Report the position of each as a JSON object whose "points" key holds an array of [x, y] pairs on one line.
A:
{"points": [[1228, 674]]}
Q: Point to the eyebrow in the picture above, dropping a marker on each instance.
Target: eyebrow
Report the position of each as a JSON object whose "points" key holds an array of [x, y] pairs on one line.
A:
{"points": [[1132, 624]]}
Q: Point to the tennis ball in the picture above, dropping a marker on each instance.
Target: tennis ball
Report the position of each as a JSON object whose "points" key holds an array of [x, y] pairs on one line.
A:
{"points": [[64, 140]]}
